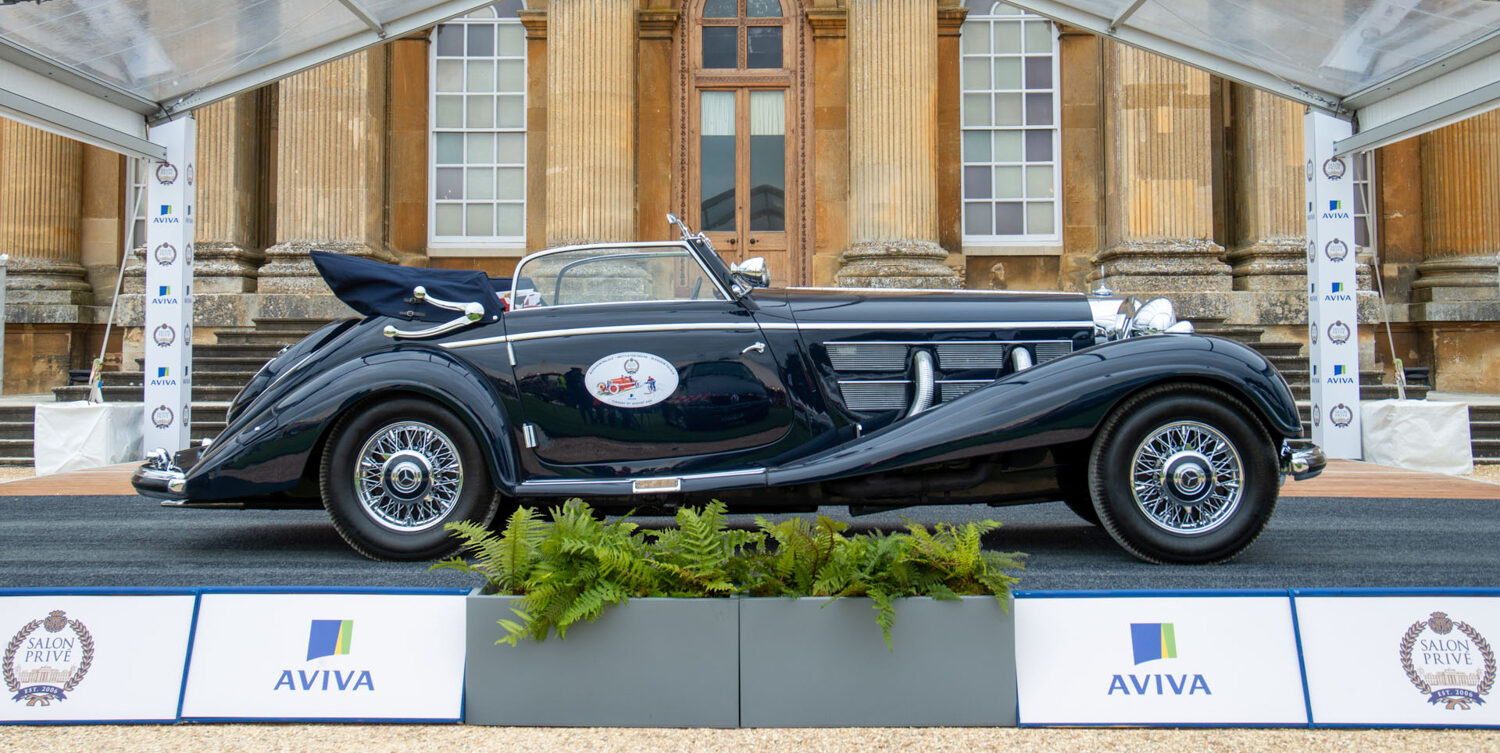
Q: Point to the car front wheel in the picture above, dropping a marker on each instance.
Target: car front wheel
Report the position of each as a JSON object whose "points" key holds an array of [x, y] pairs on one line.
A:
{"points": [[1183, 473], [395, 473]]}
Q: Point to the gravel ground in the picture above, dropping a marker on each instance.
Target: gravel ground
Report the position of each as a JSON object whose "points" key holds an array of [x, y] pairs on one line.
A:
{"points": [[457, 739]]}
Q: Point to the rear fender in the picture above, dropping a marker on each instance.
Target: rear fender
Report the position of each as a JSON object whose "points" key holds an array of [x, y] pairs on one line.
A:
{"points": [[271, 448], [1060, 401]]}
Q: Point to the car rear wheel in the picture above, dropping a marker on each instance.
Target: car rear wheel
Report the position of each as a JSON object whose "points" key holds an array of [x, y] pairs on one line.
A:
{"points": [[1183, 473], [396, 473]]}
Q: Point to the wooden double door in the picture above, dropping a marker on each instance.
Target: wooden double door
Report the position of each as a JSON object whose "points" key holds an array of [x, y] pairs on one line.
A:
{"points": [[743, 156]]}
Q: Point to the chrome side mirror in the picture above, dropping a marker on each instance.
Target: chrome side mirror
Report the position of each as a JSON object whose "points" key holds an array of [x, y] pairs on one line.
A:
{"points": [[673, 219], [753, 271]]}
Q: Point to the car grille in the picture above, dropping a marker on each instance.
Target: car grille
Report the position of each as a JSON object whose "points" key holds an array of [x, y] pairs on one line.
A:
{"points": [[870, 395], [867, 356], [874, 396]]}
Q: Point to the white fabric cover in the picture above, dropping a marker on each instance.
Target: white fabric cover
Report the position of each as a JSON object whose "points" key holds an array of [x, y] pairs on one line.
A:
{"points": [[77, 435], [1424, 435]]}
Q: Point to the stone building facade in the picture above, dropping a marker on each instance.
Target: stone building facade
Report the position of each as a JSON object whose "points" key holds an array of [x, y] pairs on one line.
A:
{"points": [[895, 143]]}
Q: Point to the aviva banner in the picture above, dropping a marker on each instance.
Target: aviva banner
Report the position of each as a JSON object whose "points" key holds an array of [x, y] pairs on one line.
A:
{"points": [[1401, 660], [327, 656], [1157, 660], [169, 288], [87, 658]]}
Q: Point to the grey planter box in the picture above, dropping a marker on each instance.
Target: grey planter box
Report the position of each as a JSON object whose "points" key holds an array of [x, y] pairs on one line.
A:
{"points": [[803, 664], [651, 663]]}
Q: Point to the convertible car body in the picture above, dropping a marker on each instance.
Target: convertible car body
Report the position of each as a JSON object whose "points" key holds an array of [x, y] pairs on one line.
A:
{"points": [[644, 376]]}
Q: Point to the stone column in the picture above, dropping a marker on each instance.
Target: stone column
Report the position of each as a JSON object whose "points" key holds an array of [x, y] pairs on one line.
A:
{"points": [[1270, 228], [101, 227], [1159, 195], [893, 206], [830, 157], [41, 212], [330, 173], [1461, 219], [226, 251], [590, 121]]}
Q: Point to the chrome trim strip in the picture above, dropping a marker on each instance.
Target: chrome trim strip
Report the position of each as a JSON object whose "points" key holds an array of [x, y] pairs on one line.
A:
{"points": [[874, 381], [944, 342], [632, 480], [821, 326], [608, 330], [879, 326], [818, 289]]}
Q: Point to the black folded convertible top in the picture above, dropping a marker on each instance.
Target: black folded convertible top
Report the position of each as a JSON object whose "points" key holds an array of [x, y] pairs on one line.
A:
{"points": [[376, 289]]}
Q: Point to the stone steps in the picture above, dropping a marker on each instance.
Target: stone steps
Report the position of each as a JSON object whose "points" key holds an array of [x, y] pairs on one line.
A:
{"points": [[220, 371]]}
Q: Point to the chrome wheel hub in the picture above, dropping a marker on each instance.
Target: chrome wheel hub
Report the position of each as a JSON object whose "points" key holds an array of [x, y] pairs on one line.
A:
{"points": [[1187, 477], [408, 476]]}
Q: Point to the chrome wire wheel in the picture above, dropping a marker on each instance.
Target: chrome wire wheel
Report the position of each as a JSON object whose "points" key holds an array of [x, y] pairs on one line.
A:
{"points": [[408, 476], [1187, 478]]}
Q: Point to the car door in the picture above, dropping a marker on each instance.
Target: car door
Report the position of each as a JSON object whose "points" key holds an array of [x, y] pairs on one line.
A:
{"points": [[633, 360]]}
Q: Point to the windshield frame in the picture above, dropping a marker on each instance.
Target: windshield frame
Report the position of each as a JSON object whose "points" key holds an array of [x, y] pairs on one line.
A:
{"points": [[692, 249]]}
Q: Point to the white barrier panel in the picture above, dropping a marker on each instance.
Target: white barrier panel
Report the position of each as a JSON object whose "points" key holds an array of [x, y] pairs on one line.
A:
{"points": [[72, 658], [1400, 660], [325, 656], [1158, 660]]}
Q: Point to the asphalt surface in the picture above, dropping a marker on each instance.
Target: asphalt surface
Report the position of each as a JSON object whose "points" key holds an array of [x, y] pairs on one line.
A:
{"points": [[132, 541]]}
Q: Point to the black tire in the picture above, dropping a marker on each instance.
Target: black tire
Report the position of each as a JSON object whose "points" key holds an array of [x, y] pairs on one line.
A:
{"points": [[1187, 440], [406, 504], [1073, 480]]}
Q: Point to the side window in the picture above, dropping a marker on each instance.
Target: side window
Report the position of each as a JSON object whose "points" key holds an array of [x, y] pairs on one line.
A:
{"points": [[616, 275], [478, 122], [1364, 201], [1010, 127]]}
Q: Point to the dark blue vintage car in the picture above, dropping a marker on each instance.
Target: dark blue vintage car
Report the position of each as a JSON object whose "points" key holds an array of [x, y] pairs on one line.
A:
{"points": [[650, 375]]}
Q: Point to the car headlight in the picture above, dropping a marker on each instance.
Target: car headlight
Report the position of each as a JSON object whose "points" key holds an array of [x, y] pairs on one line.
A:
{"points": [[1157, 316]]}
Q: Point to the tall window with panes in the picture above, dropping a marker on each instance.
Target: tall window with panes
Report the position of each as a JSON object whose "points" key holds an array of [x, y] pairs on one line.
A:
{"points": [[1364, 201], [1010, 134], [478, 121]]}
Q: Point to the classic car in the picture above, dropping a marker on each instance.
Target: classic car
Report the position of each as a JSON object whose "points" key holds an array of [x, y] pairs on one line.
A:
{"points": [[452, 399]]}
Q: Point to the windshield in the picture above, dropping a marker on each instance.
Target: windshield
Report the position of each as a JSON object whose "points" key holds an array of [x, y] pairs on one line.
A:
{"points": [[613, 274]]}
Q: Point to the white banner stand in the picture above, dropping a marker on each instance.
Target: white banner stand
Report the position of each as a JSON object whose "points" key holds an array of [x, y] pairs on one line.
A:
{"points": [[1332, 295], [169, 292]]}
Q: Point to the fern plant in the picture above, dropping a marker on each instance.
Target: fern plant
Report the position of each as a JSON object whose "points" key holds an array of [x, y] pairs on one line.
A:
{"points": [[574, 567], [702, 556]]}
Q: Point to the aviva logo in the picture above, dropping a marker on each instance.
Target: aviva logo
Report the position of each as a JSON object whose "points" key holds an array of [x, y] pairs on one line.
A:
{"points": [[1152, 641], [329, 638]]}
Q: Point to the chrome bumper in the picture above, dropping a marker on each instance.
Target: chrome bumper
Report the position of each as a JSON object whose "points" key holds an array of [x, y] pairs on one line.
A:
{"points": [[162, 476], [1302, 464], [161, 483]]}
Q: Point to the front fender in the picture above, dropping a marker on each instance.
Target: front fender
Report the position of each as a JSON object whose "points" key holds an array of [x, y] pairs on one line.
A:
{"points": [[268, 449], [1060, 401]]}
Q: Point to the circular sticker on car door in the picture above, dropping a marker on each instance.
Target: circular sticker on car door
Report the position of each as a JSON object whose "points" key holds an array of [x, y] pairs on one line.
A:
{"points": [[631, 380]]}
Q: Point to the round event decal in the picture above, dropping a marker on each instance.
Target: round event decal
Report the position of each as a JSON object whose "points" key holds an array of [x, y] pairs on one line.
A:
{"points": [[631, 380]]}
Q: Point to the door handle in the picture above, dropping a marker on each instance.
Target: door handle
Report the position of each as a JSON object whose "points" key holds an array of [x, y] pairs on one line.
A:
{"points": [[757, 347], [731, 241], [754, 241]]}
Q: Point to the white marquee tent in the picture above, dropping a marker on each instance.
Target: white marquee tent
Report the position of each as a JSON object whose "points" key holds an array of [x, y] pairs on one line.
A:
{"points": [[101, 70]]}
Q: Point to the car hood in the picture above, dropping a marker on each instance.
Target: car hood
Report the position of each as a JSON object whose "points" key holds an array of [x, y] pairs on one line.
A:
{"points": [[812, 306]]}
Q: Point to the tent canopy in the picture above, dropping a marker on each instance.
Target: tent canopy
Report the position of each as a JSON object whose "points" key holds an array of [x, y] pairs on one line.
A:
{"points": [[1395, 67], [101, 70]]}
